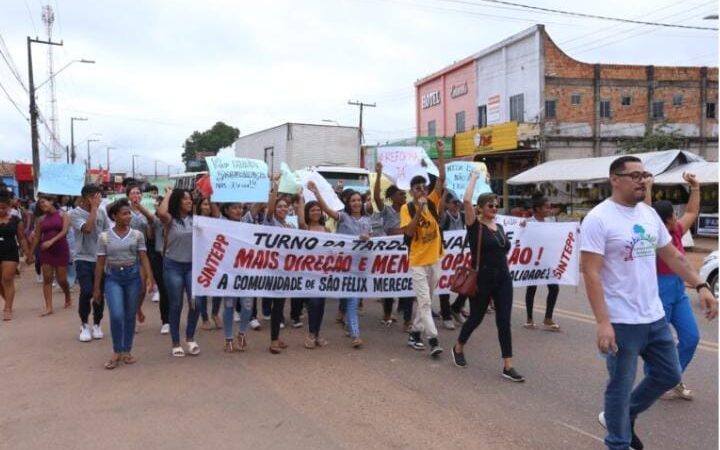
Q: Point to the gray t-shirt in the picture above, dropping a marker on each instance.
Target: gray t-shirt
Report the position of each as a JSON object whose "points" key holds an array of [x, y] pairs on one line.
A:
{"points": [[121, 250], [376, 224], [138, 221], [391, 219], [179, 240], [451, 223], [86, 243], [276, 223], [347, 224], [158, 229]]}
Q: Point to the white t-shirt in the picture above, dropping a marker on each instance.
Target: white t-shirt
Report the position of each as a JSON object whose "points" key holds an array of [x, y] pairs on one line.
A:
{"points": [[628, 239]]}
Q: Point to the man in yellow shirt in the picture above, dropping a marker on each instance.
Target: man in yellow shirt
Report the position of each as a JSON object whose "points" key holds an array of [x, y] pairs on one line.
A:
{"points": [[420, 223]]}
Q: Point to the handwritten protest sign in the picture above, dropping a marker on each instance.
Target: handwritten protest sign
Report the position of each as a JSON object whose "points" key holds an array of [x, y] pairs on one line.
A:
{"points": [[401, 164], [61, 178], [238, 179], [325, 188], [458, 175], [266, 261]]}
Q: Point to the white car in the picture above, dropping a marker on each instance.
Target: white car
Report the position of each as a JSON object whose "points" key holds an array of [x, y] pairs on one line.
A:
{"points": [[709, 271]]}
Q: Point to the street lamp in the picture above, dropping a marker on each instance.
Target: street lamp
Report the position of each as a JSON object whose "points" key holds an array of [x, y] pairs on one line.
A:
{"points": [[108, 158], [133, 164], [71, 153], [89, 166], [84, 61]]}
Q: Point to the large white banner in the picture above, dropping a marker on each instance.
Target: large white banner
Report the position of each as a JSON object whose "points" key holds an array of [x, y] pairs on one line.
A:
{"points": [[238, 259]]}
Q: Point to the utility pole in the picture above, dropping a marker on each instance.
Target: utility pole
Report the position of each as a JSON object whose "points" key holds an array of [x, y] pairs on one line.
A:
{"points": [[133, 164], [89, 166], [361, 105], [107, 151], [72, 137], [34, 111], [156, 161]]}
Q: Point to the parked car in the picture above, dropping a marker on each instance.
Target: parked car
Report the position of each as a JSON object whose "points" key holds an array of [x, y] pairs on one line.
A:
{"points": [[709, 271]]}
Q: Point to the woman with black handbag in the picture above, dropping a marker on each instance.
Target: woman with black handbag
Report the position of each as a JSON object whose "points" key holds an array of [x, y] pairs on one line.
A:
{"points": [[489, 246]]}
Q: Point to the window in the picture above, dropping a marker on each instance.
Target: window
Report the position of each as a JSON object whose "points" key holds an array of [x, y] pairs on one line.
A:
{"points": [[710, 111], [517, 108], [482, 116], [677, 100], [626, 100], [575, 99], [460, 122], [658, 110], [550, 109], [604, 109], [431, 128]]}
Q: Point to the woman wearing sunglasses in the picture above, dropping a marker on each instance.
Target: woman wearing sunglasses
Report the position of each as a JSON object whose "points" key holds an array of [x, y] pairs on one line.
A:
{"points": [[493, 277]]}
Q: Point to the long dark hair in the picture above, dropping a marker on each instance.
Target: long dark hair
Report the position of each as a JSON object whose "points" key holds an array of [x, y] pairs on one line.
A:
{"points": [[538, 201], [174, 203], [346, 199], [308, 206], [224, 208], [197, 206]]}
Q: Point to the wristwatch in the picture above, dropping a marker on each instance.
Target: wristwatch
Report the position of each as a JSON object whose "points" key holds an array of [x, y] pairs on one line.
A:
{"points": [[702, 285]]}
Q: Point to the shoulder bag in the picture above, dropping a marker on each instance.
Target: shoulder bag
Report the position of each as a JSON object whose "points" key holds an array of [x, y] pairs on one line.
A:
{"points": [[464, 281]]}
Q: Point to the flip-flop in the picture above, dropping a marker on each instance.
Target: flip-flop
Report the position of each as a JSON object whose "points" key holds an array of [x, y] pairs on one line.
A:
{"points": [[111, 364], [7, 315]]}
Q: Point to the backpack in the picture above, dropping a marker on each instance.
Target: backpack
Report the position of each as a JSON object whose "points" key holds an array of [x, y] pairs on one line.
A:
{"points": [[433, 211]]}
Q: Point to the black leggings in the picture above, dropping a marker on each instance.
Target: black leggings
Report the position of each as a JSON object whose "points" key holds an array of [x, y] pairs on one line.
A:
{"points": [[553, 290], [497, 286], [405, 305], [156, 265], [445, 306], [276, 317]]}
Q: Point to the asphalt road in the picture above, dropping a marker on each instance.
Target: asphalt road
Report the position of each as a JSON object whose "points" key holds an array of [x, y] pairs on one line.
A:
{"points": [[56, 393]]}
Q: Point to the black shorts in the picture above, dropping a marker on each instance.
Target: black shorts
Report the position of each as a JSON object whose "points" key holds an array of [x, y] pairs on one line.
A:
{"points": [[9, 255]]}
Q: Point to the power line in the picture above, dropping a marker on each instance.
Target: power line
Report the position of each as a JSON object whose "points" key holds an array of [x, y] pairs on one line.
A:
{"points": [[578, 14], [14, 103], [31, 17], [5, 53]]}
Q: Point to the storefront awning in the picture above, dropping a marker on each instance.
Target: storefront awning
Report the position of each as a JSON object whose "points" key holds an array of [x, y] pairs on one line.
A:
{"points": [[706, 172], [596, 169]]}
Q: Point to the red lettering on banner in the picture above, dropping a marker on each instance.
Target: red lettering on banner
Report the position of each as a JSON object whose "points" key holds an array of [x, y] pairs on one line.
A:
{"points": [[390, 264], [565, 256], [319, 263], [213, 260], [260, 259]]}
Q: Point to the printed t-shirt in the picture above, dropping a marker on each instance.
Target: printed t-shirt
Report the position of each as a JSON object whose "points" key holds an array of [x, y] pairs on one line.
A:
{"points": [[427, 247]]}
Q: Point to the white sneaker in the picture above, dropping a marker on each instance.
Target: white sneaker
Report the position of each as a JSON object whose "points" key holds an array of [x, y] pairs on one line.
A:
{"points": [[266, 318], [601, 419], [282, 325], [38, 278], [165, 329], [449, 324], [236, 316], [85, 335], [156, 297], [97, 332], [255, 324]]}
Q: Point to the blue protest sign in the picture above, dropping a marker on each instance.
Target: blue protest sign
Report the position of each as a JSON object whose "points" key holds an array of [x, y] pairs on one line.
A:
{"points": [[457, 176], [61, 178], [238, 179]]}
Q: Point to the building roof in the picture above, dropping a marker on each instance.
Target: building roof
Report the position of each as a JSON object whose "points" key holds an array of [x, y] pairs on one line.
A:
{"points": [[296, 123], [514, 38]]}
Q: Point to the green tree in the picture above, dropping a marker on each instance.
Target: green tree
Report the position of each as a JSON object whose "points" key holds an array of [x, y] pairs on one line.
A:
{"points": [[210, 142], [657, 140]]}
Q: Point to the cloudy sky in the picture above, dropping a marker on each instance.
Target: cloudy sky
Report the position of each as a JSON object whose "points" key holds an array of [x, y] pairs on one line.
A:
{"points": [[166, 68]]}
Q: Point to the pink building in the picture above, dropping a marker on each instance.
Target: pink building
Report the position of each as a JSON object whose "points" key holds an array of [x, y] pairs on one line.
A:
{"points": [[446, 102]]}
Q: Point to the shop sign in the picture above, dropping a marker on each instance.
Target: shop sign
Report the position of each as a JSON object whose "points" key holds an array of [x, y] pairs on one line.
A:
{"points": [[493, 110], [430, 99], [486, 140], [707, 225], [428, 143], [459, 90]]}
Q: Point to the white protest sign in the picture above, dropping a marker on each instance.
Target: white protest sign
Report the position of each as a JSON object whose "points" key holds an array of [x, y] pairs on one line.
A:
{"points": [[289, 181], [401, 164], [264, 261], [238, 179], [61, 178], [457, 177], [325, 188], [430, 166]]}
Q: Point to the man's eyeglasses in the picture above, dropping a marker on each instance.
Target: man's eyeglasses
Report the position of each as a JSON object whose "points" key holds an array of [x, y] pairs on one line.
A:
{"points": [[492, 206], [635, 176]]}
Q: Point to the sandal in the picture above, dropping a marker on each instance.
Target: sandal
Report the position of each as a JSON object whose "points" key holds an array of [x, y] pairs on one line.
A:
{"points": [[242, 342], [310, 342], [112, 363], [530, 325], [127, 358], [218, 323], [7, 315], [550, 325], [320, 342], [275, 348], [206, 325], [357, 342], [178, 352], [229, 346], [193, 348]]}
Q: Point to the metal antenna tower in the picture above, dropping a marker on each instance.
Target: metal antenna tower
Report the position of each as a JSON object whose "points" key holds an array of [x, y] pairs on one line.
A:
{"points": [[55, 151]]}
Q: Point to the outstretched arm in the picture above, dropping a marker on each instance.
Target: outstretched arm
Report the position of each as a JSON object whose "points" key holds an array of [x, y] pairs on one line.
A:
{"points": [[321, 201]]}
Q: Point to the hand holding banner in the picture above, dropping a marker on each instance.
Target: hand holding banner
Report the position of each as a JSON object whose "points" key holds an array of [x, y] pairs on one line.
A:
{"points": [[238, 179], [61, 178], [457, 176]]}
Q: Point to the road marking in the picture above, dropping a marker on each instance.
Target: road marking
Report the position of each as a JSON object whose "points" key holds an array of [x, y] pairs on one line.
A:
{"points": [[578, 430], [585, 318]]}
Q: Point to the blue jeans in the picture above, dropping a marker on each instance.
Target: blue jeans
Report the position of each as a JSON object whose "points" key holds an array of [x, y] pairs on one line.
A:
{"points": [[246, 308], [350, 307], [122, 290], [655, 344], [679, 314], [178, 280], [202, 304]]}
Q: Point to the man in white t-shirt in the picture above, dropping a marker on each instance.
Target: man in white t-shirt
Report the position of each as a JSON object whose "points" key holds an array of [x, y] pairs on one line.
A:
{"points": [[620, 240]]}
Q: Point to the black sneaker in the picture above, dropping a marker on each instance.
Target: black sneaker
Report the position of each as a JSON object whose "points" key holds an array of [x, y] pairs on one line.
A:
{"points": [[435, 348], [458, 358], [512, 375], [415, 341], [635, 442], [297, 323]]}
